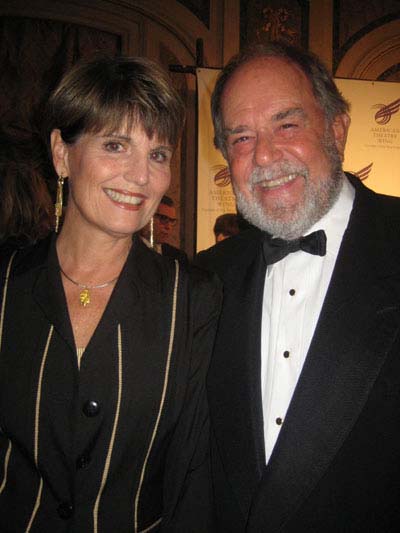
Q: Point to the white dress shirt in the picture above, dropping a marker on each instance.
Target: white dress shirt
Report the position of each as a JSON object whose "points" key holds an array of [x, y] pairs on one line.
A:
{"points": [[294, 292]]}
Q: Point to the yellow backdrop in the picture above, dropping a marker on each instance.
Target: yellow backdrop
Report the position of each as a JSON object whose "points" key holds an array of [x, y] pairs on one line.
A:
{"points": [[373, 144]]}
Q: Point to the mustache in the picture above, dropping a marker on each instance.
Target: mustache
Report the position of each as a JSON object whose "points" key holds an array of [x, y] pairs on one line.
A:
{"points": [[276, 170]]}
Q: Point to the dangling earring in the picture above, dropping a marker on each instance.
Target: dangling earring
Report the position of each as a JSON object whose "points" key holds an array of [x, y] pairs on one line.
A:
{"points": [[151, 236], [59, 202]]}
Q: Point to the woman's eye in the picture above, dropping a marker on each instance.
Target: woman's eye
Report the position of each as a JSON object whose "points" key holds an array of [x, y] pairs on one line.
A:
{"points": [[160, 156], [113, 146]]}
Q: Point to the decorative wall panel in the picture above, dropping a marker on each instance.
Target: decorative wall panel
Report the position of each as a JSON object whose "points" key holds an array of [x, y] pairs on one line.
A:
{"points": [[271, 20]]}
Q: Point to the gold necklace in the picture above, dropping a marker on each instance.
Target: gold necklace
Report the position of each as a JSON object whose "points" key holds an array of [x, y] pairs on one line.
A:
{"points": [[84, 295]]}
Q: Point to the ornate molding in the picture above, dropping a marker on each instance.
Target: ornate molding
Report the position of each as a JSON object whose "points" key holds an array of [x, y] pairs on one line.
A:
{"points": [[373, 54]]}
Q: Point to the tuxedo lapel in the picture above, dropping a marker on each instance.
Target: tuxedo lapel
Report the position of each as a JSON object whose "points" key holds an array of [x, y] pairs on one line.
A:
{"points": [[234, 377], [354, 333]]}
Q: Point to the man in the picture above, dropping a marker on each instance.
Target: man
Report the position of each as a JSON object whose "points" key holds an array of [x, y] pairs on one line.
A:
{"points": [[164, 220], [304, 385], [225, 226]]}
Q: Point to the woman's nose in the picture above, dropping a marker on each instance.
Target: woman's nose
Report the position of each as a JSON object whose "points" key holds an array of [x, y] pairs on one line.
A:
{"points": [[137, 171]]}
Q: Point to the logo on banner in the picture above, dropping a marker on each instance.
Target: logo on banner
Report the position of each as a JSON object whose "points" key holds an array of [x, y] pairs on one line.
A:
{"points": [[364, 173], [384, 134], [222, 178], [385, 112], [221, 194]]}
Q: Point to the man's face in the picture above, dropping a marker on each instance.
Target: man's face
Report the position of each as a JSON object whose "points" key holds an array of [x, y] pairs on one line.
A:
{"points": [[285, 161], [164, 221]]}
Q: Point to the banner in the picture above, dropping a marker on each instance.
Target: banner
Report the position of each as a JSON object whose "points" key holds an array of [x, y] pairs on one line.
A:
{"points": [[372, 150], [214, 190], [373, 144]]}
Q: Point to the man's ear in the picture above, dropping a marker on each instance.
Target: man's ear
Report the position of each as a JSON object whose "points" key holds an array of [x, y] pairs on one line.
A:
{"points": [[59, 151], [340, 127]]}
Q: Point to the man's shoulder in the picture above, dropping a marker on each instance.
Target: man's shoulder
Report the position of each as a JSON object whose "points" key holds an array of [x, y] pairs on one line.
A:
{"points": [[365, 194], [230, 251], [379, 208], [374, 226], [387, 221], [390, 205]]}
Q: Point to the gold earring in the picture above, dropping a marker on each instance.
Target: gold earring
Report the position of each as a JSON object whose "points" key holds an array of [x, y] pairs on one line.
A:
{"points": [[59, 202], [151, 236]]}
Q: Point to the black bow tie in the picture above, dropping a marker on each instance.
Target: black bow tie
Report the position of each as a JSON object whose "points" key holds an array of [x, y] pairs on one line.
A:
{"points": [[276, 249]]}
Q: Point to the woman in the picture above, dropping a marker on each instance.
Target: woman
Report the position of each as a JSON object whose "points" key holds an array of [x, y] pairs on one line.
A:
{"points": [[104, 344]]}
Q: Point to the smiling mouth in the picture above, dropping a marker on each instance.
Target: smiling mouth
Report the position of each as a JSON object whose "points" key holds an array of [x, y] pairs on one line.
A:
{"points": [[124, 198], [276, 182]]}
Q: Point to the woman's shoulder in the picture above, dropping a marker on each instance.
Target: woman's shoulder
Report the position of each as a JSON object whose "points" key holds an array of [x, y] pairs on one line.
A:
{"points": [[17, 260], [163, 272], [196, 276]]}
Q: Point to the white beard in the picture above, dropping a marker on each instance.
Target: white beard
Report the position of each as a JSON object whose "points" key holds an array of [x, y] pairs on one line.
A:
{"points": [[319, 197]]}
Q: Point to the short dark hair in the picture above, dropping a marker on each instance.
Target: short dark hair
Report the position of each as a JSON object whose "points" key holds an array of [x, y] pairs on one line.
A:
{"points": [[166, 200], [104, 92], [325, 91], [227, 225]]}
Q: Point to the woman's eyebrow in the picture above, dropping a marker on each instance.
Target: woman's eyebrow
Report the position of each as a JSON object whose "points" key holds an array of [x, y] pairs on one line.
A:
{"points": [[117, 136]]}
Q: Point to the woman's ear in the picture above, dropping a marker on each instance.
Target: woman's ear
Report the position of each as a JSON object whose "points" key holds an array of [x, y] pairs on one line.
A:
{"points": [[59, 151]]}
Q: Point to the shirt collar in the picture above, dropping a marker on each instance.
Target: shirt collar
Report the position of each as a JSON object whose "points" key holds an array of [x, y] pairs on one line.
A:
{"points": [[335, 221]]}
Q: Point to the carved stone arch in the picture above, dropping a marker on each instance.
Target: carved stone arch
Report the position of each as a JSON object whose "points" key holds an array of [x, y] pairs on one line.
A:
{"points": [[373, 54]]}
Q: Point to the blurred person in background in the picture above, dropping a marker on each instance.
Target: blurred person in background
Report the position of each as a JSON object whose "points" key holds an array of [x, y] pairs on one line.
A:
{"points": [[163, 222], [226, 225]]}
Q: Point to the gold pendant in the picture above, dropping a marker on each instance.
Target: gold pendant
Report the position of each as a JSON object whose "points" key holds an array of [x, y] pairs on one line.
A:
{"points": [[84, 297]]}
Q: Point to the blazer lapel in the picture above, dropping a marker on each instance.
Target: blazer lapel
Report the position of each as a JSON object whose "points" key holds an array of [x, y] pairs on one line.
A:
{"points": [[48, 290], [234, 377], [348, 350]]}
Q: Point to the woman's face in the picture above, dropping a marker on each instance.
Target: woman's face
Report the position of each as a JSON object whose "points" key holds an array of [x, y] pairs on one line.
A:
{"points": [[115, 181]]}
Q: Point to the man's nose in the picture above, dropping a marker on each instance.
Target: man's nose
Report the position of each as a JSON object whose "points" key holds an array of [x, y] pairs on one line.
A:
{"points": [[266, 151]]}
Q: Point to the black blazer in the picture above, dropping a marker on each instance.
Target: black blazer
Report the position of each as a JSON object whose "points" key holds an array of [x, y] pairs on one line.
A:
{"points": [[136, 380], [336, 464]]}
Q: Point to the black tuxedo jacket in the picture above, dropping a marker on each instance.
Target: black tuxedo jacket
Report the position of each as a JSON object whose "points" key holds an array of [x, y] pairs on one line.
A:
{"points": [[336, 464]]}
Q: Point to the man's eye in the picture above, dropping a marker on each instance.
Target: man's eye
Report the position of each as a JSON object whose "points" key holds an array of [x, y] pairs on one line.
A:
{"points": [[241, 139], [289, 125], [113, 146]]}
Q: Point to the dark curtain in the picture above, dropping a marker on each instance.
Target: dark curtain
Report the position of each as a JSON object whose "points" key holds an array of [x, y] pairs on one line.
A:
{"points": [[34, 54]]}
